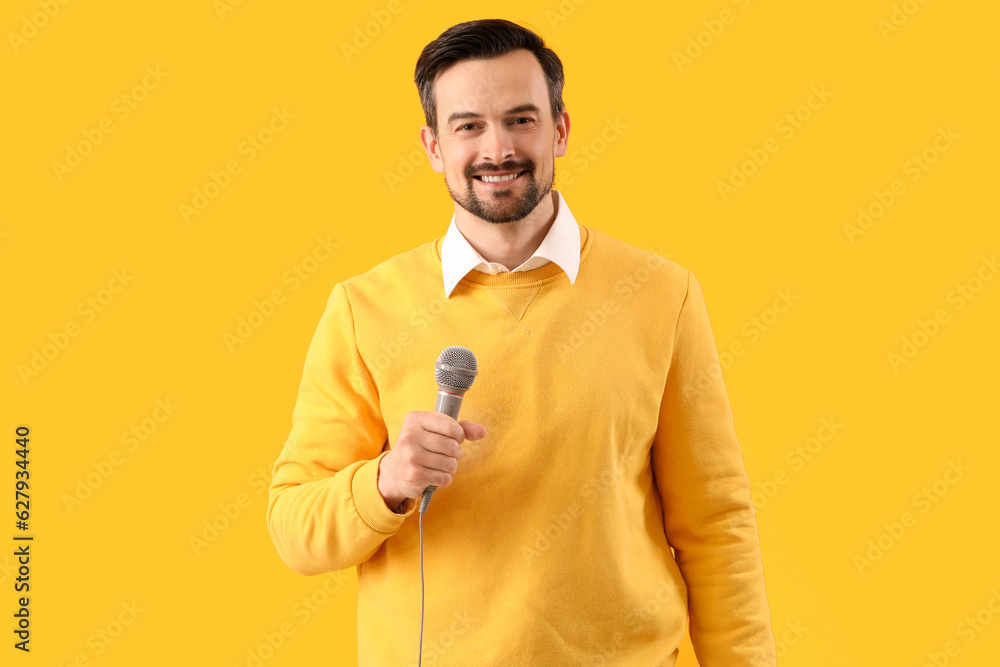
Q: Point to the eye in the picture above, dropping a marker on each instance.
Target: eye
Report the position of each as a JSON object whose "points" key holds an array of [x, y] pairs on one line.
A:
{"points": [[530, 120], [470, 125]]}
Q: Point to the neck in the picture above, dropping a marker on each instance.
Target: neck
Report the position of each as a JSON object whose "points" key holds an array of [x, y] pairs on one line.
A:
{"points": [[509, 243]]}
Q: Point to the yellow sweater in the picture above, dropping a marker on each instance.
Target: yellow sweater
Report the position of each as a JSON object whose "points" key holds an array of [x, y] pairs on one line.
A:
{"points": [[610, 439]]}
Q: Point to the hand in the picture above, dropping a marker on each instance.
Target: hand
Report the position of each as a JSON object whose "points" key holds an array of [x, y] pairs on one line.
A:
{"points": [[426, 453]]}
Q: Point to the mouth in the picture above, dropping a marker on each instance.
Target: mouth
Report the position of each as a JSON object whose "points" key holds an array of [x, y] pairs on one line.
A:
{"points": [[499, 179]]}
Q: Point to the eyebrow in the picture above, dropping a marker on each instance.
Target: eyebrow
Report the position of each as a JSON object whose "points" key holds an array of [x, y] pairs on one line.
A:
{"points": [[461, 115]]}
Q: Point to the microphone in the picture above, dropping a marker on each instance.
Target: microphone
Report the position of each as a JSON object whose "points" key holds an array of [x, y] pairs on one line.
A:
{"points": [[454, 372]]}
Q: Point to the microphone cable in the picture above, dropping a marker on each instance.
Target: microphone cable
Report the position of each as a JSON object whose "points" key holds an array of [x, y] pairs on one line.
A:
{"points": [[454, 371], [420, 522]]}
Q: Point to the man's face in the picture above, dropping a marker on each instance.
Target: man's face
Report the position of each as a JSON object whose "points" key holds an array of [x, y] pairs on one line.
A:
{"points": [[494, 119]]}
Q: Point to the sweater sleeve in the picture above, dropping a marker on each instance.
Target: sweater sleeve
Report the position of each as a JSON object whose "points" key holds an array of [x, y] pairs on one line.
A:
{"points": [[708, 516], [324, 510]]}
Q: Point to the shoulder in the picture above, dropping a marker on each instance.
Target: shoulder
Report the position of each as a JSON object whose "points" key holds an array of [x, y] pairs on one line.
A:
{"points": [[640, 265], [398, 278]]}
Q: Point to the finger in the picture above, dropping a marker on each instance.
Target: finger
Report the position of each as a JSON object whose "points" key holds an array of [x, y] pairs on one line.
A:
{"points": [[436, 443], [473, 431], [438, 462], [443, 424]]}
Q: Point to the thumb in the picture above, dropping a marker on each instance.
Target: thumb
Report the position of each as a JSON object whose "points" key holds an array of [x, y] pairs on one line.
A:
{"points": [[473, 431]]}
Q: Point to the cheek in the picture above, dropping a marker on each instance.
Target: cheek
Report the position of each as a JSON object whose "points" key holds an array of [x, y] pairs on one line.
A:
{"points": [[456, 165], [458, 176]]}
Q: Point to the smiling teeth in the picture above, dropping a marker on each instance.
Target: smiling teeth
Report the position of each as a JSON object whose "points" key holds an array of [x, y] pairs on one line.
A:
{"points": [[499, 179]]}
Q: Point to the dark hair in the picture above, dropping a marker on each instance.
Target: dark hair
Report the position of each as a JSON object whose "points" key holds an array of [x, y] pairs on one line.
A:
{"points": [[480, 40]]}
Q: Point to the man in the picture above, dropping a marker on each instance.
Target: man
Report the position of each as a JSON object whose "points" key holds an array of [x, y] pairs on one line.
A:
{"points": [[603, 496]]}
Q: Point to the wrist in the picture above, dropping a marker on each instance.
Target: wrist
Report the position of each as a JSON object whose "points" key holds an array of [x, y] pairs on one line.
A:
{"points": [[392, 499], [404, 506]]}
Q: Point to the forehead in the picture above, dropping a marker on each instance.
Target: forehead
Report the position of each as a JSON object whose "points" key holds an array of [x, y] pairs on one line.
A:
{"points": [[492, 85]]}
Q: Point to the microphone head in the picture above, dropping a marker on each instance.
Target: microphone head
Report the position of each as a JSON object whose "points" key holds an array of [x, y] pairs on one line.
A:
{"points": [[456, 368]]}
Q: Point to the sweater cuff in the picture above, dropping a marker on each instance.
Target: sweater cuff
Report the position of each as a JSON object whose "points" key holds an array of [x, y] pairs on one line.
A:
{"points": [[369, 503]]}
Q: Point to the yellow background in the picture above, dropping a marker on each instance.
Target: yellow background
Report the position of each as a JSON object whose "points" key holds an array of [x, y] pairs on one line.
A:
{"points": [[654, 185]]}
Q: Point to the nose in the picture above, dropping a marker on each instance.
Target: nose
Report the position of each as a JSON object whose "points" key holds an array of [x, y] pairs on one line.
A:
{"points": [[498, 145]]}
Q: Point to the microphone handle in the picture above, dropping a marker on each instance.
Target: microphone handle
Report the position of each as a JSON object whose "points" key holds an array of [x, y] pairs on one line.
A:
{"points": [[449, 404]]}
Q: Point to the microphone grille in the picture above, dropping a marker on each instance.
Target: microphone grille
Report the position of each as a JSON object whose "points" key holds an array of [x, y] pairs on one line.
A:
{"points": [[463, 367]]}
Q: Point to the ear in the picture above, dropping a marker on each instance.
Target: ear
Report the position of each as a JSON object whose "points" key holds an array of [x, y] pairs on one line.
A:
{"points": [[432, 147], [561, 140]]}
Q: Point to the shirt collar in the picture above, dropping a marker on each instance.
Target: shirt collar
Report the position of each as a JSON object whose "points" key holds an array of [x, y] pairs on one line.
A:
{"points": [[561, 245]]}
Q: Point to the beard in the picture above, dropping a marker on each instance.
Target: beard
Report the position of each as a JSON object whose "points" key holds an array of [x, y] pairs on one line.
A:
{"points": [[503, 205]]}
